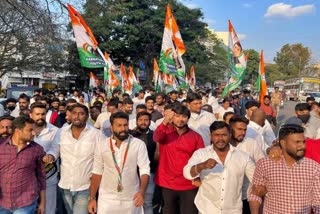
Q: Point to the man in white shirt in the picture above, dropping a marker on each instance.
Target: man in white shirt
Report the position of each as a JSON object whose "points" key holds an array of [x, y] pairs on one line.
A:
{"points": [[111, 106], [199, 120], [221, 168], [128, 109], [225, 107], [77, 144], [23, 102], [238, 126], [44, 136], [139, 99], [115, 171]]}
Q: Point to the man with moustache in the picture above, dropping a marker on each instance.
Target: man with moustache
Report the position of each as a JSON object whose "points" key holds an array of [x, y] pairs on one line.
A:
{"points": [[114, 173], [22, 176], [177, 142], [77, 144], [290, 185], [221, 168], [24, 102], [144, 133], [44, 136], [5, 127]]}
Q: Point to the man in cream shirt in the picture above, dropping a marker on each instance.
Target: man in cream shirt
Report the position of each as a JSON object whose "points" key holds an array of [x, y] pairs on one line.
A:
{"points": [[199, 120], [221, 168]]}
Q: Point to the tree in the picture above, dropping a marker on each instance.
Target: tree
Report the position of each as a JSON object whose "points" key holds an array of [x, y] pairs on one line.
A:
{"points": [[293, 59], [252, 70], [272, 73], [131, 32]]}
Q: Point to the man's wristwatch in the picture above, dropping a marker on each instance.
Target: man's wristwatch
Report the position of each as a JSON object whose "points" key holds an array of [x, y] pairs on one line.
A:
{"points": [[91, 198]]}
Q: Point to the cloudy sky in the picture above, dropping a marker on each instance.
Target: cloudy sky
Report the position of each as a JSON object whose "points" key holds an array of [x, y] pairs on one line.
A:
{"points": [[266, 24]]}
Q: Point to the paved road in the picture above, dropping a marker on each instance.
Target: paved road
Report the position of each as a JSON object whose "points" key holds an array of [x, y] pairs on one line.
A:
{"points": [[285, 112]]}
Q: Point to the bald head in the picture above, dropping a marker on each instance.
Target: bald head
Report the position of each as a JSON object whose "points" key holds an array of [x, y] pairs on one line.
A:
{"points": [[258, 116]]}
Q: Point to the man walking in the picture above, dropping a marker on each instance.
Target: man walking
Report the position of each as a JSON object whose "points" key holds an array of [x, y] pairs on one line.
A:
{"points": [[115, 171]]}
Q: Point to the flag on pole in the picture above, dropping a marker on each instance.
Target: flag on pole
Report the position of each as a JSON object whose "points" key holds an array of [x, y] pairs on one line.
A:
{"points": [[94, 81], [172, 49], [134, 86], [157, 77], [262, 78], [237, 61], [192, 79], [124, 78], [87, 45]]}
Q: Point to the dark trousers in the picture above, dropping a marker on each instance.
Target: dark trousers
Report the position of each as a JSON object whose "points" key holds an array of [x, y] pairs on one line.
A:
{"points": [[179, 201], [245, 207]]}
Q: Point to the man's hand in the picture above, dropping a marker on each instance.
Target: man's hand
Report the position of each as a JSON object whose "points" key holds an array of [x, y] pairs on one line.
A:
{"points": [[41, 208], [92, 206], [196, 182], [209, 164], [168, 116], [259, 190], [138, 199], [48, 158], [275, 153]]}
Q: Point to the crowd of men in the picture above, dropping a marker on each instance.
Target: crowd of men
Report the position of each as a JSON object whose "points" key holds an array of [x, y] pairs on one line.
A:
{"points": [[157, 153]]}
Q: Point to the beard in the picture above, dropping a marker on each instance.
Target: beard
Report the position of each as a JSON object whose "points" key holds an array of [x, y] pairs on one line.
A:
{"points": [[142, 128], [180, 125], [4, 135], [295, 155], [121, 135], [40, 122]]}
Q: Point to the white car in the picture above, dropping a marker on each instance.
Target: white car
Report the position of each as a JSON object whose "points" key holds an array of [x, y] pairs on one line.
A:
{"points": [[303, 97]]}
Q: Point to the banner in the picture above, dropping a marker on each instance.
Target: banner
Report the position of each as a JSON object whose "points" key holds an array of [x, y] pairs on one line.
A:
{"points": [[134, 86], [87, 45], [172, 49], [263, 82], [192, 79], [124, 79], [237, 62], [93, 81]]}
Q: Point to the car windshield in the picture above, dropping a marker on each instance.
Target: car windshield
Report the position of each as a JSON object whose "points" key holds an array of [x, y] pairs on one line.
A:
{"points": [[314, 94]]}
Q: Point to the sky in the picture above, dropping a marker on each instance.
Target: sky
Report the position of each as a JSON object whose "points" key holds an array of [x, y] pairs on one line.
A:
{"points": [[265, 24]]}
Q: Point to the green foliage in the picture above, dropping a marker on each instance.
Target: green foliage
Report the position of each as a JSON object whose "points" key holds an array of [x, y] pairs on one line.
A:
{"points": [[273, 73], [293, 59], [131, 32], [252, 70]]}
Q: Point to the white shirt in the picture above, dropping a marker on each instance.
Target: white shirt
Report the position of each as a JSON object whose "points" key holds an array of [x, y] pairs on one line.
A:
{"points": [[77, 157], [104, 165], [50, 146], [249, 146], [268, 133], [214, 103], [221, 111], [220, 190], [101, 118], [158, 122], [132, 121], [318, 133], [255, 131], [201, 123]]}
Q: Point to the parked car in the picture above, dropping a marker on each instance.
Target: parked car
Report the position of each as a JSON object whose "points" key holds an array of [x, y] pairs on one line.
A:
{"points": [[14, 92], [303, 97]]}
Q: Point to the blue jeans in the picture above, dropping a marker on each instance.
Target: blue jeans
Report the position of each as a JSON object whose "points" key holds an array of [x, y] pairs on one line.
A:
{"points": [[148, 196], [76, 201], [22, 210]]}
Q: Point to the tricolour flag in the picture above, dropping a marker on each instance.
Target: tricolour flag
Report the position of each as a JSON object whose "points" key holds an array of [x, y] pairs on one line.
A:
{"points": [[93, 81], [237, 62], [134, 86], [262, 78], [124, 79], [172, 49], [192, 79], [87, 45], [157, 77]]}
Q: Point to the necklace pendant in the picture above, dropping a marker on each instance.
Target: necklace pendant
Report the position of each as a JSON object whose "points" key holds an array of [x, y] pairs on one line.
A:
{"points": [[119, 188]]}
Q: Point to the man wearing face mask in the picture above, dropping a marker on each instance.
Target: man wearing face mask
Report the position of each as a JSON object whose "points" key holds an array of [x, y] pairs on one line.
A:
{"points": [[302, 112], [6, 127], [10, 105]]}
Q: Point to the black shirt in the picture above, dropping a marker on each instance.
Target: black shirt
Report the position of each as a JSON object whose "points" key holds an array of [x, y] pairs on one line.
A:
{"points": [[151, 146]]}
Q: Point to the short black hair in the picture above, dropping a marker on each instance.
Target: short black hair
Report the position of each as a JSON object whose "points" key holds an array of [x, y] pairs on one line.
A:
{"points": [[125, 95], [20, 122], [193, 96], [37, 105], [118, 115], [142, 91], [226, 100], [11, 100], [149, 98], [310, 99], [113, 102], [238, 119], [173, 92], [71, 101], [6, 117], [78, 105], [288, 129], [227, 114], [163, 95], [252, 103], [42, 98], [267, 96], [25, 97], [143, 113], [127, 101], [141, 106], [207, 108], [302, 107], [218, 125], [182, 110]]}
